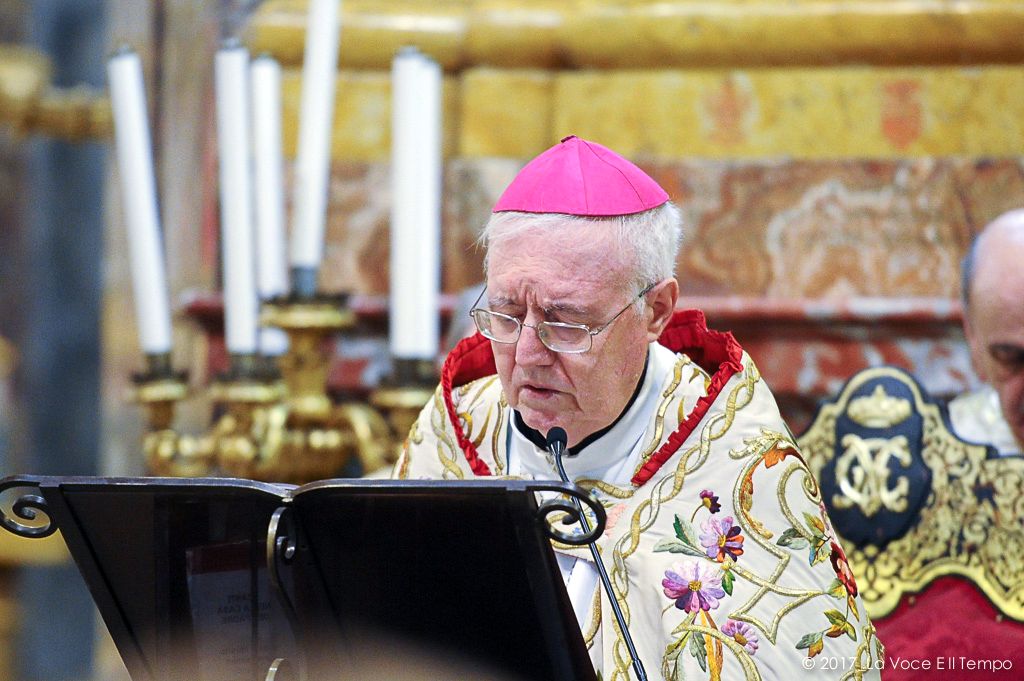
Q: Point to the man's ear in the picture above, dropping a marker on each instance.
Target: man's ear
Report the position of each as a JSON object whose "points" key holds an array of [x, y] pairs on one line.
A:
{"points": [[661, 301]]}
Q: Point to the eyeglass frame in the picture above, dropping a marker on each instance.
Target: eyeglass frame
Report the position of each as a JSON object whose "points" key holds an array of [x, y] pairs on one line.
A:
{"points": [[564, 325]]}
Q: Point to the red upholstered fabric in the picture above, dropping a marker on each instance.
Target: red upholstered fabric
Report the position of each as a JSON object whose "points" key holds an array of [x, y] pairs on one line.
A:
{"points": [[717, 353], [949, 623]]}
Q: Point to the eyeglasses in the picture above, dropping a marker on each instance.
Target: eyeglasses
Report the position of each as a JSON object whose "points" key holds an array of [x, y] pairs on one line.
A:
{"points": [[556, 336]]}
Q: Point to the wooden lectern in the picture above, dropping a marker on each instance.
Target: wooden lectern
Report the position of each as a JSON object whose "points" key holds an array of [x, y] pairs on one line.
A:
{"points": [[235, 580]]}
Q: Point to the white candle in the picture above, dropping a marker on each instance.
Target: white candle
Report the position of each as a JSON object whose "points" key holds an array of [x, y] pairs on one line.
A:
{"points": [[316, 116], [138, 192], [231, 83], [415, 205], [271, 261]]}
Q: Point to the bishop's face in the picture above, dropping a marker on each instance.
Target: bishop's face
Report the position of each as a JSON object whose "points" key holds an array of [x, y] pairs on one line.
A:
{"points": [[573, 275]]}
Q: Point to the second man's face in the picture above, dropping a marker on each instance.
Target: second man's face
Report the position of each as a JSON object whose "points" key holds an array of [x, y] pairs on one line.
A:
{"points": [[996, 336]]}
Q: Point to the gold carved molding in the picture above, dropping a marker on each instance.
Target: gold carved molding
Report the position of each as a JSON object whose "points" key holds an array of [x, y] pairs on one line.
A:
{"points": [[971, 524], [603, 34], [7, 356], [30, 103]]}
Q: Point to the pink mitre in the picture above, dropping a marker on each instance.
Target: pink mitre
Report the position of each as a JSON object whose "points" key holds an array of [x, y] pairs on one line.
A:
{"points": [[577, 177]]}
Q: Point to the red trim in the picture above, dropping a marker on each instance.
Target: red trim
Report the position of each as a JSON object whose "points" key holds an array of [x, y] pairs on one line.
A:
{"points": [[469, 360], [716, 352]]}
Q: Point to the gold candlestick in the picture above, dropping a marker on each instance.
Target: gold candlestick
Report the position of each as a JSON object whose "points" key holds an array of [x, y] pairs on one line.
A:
{"points": [[308, 323], [167, 452], [244, 434], [402, 396]]}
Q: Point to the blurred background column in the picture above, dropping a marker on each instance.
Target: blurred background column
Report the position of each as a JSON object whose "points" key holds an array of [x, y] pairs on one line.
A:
{"points": [[53, 300]]}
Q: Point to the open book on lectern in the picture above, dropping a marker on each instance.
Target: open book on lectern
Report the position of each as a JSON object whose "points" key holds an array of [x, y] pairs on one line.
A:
{"points": [[234, 580]]}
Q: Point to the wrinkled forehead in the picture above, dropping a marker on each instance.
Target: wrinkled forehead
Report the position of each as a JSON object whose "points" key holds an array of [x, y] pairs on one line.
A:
{"points": [[585, 253]]}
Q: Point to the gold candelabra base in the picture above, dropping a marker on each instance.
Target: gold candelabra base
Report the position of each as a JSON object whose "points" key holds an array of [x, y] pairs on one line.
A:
{"points": [[281, 428]]}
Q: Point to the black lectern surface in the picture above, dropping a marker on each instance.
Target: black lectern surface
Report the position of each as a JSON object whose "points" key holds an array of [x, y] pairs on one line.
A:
{"points": [[235, 580]]}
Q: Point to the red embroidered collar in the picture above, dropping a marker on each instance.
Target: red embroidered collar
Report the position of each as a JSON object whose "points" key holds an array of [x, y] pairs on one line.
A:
{"points": [[715, 352]]}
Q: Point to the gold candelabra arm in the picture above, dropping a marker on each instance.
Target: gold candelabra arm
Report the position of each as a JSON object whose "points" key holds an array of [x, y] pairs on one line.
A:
{"points": [[283, 428], [262, 436], [7, 358], [370, 436], [168, 452], [249, 436]]}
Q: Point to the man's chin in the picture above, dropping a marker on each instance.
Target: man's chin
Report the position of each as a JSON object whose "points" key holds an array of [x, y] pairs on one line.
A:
{"points": [[541, 421], [544, 420]]}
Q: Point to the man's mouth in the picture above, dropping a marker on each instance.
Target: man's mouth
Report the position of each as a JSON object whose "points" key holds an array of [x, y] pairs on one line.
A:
{"points": [[537, 392]]}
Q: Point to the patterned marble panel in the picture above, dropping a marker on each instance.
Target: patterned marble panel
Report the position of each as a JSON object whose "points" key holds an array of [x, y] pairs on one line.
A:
{"points": [[804, 229], [807, 113], [358, 239], [505, 112], [785, 230], [807, 349], [827, 112], [828, 229]]}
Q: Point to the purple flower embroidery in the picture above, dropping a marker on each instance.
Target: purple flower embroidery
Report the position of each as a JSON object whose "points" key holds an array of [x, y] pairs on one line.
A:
{"points": [[694, 586], [710, 501], [721, 538], [742, 633]]}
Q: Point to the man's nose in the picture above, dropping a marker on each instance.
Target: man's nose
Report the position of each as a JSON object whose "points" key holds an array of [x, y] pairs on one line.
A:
{"points": [[530, 351]]}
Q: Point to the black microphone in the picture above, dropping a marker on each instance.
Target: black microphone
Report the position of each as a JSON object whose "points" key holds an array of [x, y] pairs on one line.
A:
{"points": [[555, 442]]}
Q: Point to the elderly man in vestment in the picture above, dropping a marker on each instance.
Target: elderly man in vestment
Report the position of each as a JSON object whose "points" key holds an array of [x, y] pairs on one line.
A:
{"points": [[993, 298], [718, 547]]}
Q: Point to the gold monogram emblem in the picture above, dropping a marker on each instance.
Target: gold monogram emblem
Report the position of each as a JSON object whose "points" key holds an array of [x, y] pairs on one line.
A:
{"points": [[862, 473]]}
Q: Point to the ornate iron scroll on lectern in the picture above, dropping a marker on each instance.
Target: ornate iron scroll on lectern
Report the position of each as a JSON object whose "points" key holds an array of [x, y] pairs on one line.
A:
{"points": [[237, 580], [277, 421]]}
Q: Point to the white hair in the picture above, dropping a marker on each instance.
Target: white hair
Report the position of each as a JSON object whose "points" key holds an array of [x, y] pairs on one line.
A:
{"points": [[651, 237]]}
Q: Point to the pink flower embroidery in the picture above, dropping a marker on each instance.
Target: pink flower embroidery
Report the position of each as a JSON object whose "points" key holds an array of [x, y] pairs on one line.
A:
{"points": [[694, 586], [742, 633], [721, 538]]}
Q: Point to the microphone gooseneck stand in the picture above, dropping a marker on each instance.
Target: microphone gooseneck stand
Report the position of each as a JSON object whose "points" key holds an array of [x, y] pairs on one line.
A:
{"points": [[555, 442]]}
